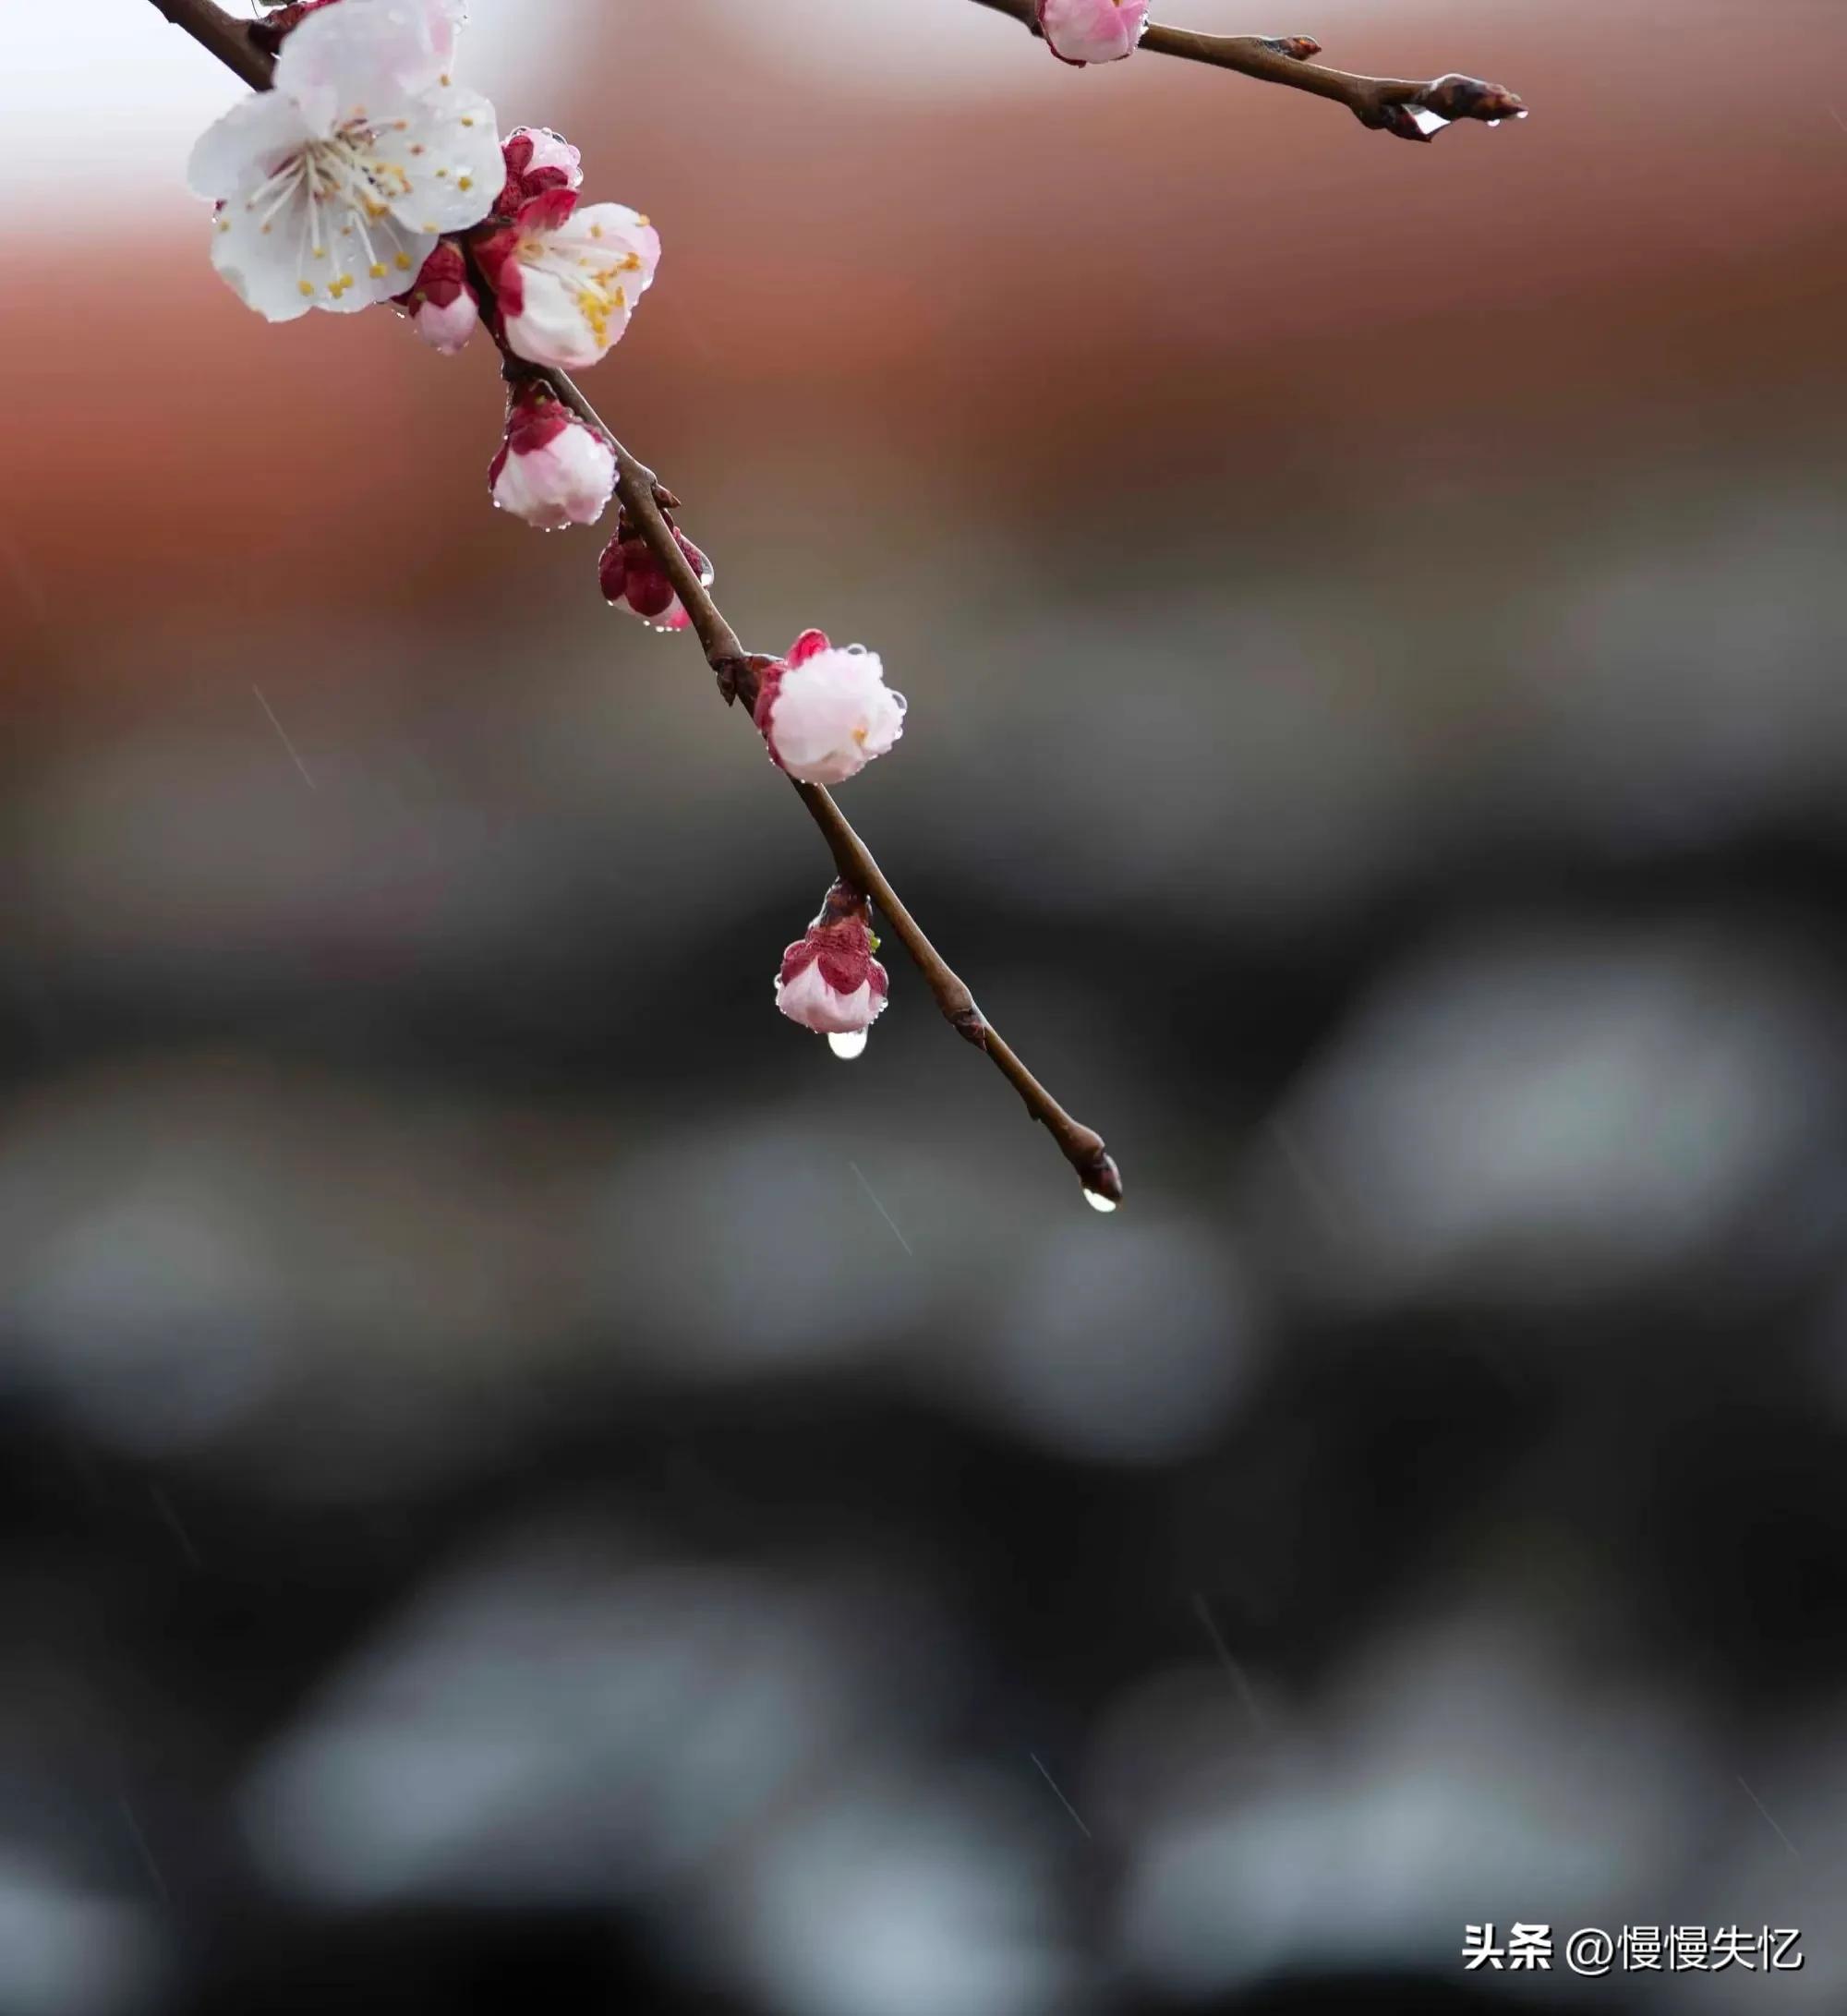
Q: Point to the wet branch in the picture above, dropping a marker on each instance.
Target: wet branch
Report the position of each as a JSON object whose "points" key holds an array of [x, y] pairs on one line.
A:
{"points": [[1390, 105], [642, 497]]}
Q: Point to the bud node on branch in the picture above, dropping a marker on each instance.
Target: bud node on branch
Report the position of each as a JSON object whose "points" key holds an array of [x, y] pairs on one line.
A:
{"points": [[971, 1024]]}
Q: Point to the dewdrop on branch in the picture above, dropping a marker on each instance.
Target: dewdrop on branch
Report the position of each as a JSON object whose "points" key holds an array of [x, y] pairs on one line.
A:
{"points": [[331, 189], [828, 980], [1080, 31], [824, 711], [552, 470]]}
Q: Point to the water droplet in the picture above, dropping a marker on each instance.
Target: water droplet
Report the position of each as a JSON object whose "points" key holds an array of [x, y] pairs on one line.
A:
{"points": [[1098, 1202], [850, 1045]]}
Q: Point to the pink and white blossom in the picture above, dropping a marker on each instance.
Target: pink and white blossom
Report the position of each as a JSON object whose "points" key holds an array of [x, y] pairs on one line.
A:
{"points": [[537, 159], [567, 279], [826, 712], [552, 470], [442, 306], [332, 189], [1082, 31], [634, 579], [828, 980]]}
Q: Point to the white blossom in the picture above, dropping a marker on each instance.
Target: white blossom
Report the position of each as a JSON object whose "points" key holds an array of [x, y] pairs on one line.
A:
{"points": [[826, 712], [332, 187], [566, 278]]}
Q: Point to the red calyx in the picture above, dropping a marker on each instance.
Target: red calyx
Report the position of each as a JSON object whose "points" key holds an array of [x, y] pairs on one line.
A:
{"points": [[844, 947], [271, 31], [532, 418], [444, 277], [524, 181]]}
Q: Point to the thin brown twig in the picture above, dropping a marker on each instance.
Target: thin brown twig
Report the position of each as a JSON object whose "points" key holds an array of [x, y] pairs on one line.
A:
{"points": [[1388, 104], [640, 495]]}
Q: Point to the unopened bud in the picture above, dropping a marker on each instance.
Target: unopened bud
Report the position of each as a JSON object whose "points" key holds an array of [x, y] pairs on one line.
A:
{"points": [[634, 579], [828, 980], [552, 470]]}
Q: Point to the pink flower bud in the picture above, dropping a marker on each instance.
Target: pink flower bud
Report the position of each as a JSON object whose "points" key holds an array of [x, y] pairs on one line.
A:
{"points": [[537, 159], [825, 712], [442, 306], [1082, 31], [552, 470], [828, 980], [632, 578]]}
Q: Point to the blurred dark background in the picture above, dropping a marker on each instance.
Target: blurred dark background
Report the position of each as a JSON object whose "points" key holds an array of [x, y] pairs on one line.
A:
{"points": [[523, 1481]]}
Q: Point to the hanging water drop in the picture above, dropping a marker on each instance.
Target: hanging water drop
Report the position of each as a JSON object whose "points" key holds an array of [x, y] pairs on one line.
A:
{"points": [[849, 1045], [1098, 1202]]}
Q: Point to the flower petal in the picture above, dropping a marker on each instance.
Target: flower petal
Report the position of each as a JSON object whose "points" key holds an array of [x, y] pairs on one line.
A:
{"points": [[438, 161], [257, 134], [551, 326], [366, 58], [808, 998], [284, 256], [612, 238]]}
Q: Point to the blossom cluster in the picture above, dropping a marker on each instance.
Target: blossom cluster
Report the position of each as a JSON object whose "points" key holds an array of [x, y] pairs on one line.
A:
{"points": [[367, 176]]}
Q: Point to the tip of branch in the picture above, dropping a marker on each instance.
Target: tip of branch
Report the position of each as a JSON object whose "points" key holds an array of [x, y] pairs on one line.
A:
{"points": [[1102, 1180], [1440, 104], [1469, 97]]}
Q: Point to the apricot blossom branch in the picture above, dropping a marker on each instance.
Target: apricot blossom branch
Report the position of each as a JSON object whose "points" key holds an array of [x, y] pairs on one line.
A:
{"points": [[739, 674], [363, 175], [1105, 31]]}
